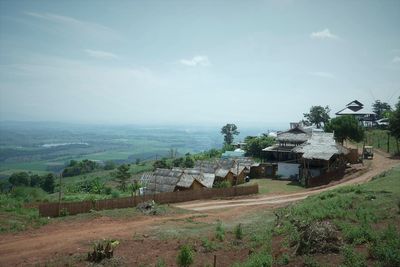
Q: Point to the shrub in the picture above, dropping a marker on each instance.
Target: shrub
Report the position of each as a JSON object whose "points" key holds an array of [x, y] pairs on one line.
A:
{"points": [[115, 194], [208, 245], [284, 259], [185, 256], [259, 259], [239, 231], [220, 232], [107, 190], [102, 250], [222, 184], [353, 259]]}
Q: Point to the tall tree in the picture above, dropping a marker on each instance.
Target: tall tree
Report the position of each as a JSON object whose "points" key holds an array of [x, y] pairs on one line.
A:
{"points": [[48, 183], [345, 127], [318, 115], [122, 176], [394, 124], [229, 131], [382, 109], [255, 145]]}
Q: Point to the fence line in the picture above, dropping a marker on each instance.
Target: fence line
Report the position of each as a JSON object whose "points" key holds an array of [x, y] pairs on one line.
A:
{"points": [[72, 208]]}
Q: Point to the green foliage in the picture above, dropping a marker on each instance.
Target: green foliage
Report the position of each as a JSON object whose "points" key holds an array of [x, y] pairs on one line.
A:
{"points": [[238, 231], [222, 184], [220, 232], [162, 164], [255, 145], [49, 183], [122, 176], [208, 245], [310, 262], [28, 194], [318, 115], [36, 180], [184, 162], [19, 179], [394, 124], [284, 259], [345, 127], [109, 165], [229, 130], [258, 259], [134, 187], [386, 249], [381, 109], [185, 256], [160, 263], [79, 167], [352, 259], [14, 216]]}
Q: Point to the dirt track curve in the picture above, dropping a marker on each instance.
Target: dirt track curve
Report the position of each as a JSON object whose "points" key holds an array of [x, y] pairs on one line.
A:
{"points": [[70, 237]]}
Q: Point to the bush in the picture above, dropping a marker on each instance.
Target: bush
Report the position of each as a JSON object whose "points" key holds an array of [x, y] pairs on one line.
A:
{"points": [[185, 256], [222, 184], [107, 190], [259, 259], [115, 194], [102, 250], [19, 179], [28, 194], [239, 231], [208, 245], [220, 232]]}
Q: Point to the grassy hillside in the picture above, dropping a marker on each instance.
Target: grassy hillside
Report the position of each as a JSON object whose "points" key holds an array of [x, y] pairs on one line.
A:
{"points": [[349, 226]]}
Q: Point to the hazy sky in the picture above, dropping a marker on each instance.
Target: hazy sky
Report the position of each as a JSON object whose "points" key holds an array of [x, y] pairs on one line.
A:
{"points": [[194, 62]]}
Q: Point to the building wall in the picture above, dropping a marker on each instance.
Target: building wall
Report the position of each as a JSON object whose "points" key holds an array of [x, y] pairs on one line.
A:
{"points": [[288, 170]]}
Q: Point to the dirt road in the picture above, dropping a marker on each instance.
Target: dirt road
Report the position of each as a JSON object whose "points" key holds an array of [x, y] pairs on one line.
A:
{"points": [[73, 237]]}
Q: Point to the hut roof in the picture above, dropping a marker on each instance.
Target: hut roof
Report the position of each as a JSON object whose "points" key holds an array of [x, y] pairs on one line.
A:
{"points": [[186, 180], [161, 180], [320, 146], [295, 135]]}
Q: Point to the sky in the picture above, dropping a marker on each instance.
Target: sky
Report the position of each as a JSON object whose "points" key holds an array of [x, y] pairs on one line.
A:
{"points": [[194, 62]]}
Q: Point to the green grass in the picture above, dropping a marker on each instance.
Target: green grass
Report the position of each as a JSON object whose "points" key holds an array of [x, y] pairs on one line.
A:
{"points": [[270, 186], [356, 211], [14, 216]]}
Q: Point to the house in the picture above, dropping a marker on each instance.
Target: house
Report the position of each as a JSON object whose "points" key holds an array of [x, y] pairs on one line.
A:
{"points": [[357, 110], [282, 153], [192, 179], [322, 159]]}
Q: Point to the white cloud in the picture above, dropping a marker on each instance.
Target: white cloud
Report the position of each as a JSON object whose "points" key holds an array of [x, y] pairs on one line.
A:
{"points": [[396, 59], [101, 54], [324, 34], [75, 24], [322, 74], [196, 61]]}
